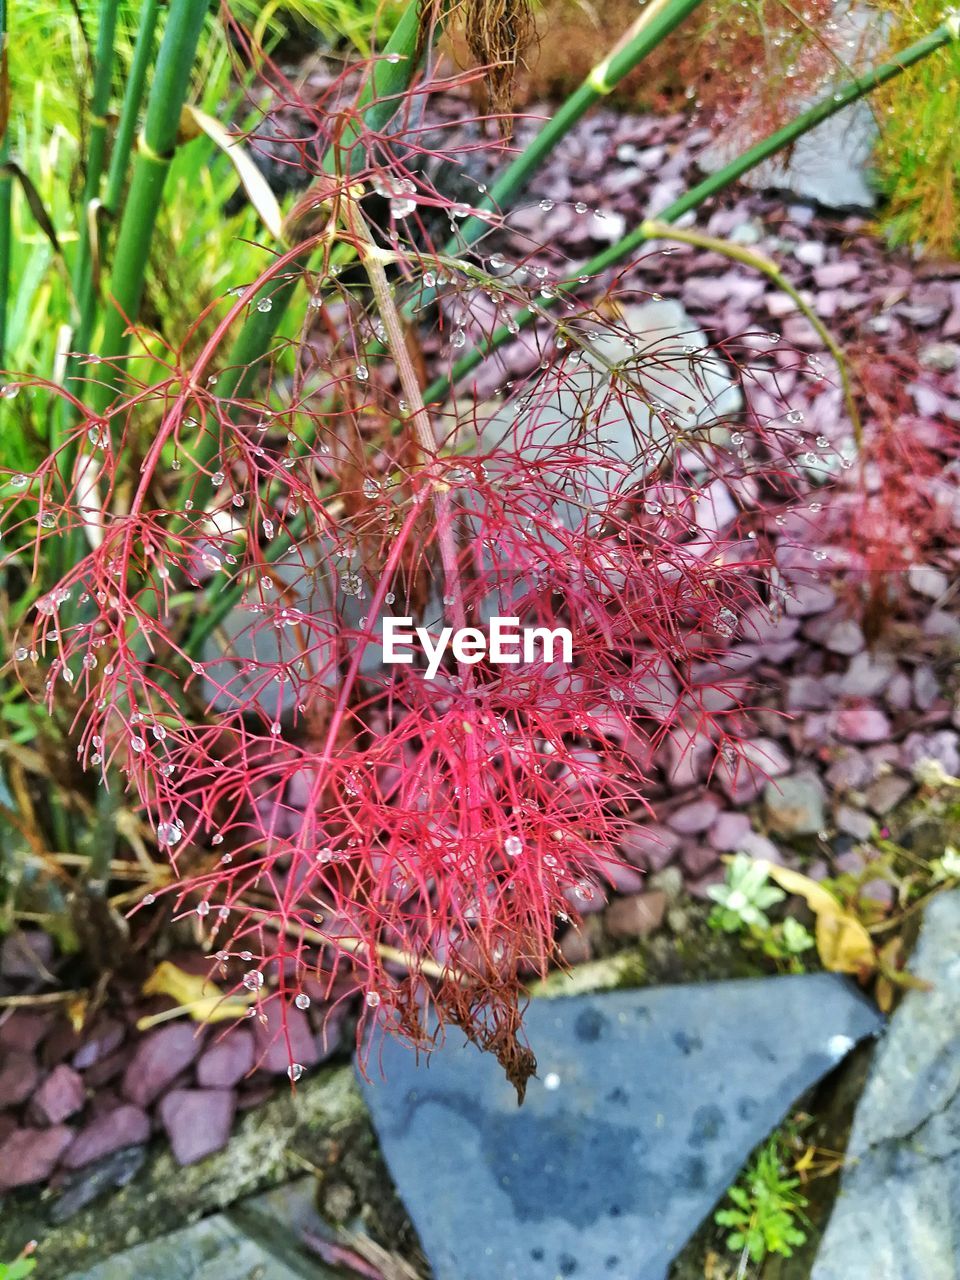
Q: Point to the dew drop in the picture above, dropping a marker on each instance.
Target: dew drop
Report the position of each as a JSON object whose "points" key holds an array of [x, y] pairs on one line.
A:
{"points": [[726, 622]]}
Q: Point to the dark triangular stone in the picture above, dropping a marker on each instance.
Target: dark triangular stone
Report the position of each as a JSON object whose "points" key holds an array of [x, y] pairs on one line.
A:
{"points": [[645, 1107]]}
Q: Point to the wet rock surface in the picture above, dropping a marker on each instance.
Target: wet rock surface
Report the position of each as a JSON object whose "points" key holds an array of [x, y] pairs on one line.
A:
{"points": [[627, 1136], [137, 1195], [213, 1249], [896, 1217]]}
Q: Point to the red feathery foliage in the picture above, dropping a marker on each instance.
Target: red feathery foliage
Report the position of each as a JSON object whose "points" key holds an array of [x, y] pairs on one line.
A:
{"points": [[215, 643]]}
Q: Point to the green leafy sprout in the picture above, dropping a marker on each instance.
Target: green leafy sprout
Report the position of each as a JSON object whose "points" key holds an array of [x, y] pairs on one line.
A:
{"points": [[745, 896], [741, 905], [768, 1213]]}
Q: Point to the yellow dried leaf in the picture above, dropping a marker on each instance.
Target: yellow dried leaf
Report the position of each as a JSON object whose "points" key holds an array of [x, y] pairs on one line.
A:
{"points": [[843, 943], [883, 994], [193, 122], [195, 994], [77, 1012], [817, 898]]}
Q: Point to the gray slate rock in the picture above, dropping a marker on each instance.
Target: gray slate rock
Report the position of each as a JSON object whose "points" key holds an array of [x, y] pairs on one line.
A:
{"points": [[625, 438], [213, 1249], [627, 1138], [830, 164], [899, 1206], [795, 805]]}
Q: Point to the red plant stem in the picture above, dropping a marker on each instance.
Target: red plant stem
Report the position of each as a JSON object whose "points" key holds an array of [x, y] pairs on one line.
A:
{"points": [[173, 417], [373, 259]]}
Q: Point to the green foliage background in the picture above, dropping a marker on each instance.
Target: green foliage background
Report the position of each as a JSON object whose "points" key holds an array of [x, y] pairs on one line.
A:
{"points": [[918, 157]]}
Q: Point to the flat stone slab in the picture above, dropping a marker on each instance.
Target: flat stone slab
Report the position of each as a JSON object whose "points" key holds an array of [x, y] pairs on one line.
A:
{"points": [[214, 1249], [898, 1213], [645, 1107], [830, 164]]}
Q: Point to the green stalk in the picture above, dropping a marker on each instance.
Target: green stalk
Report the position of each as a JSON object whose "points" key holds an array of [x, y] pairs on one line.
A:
{"points": [[130, 111], [391, 75], [97, 143], [658, 20], [6, 193], [168, 93], [389, 79], [119, 162], [711, 186], [766, 266]]}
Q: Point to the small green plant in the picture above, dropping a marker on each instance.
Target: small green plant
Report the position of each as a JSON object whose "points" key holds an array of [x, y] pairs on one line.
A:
{"points": [[947, 866], [744, 897], [768, 1211], [786, 943], [741, 906], [22, 1266]]}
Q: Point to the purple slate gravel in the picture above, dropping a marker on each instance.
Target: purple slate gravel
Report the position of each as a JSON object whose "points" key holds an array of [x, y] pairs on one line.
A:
{"points": [[31, 1155], [271, 1052], [19, 1076], [227, 1061], [60, 1096], [197, 1121], [122, 1126], [159, 1058]]}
